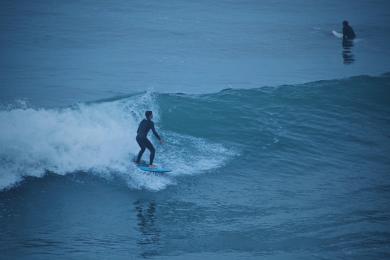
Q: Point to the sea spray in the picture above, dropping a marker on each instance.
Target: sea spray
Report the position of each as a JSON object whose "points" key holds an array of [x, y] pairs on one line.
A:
{"points": [[98, 138]]}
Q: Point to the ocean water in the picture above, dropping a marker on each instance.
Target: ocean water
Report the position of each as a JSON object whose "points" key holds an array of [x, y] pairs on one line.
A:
{"points": [[56, 53], [277, 134], [289, 172]]}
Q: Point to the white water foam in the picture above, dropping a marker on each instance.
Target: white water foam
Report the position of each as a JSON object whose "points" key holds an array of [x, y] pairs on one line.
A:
{"points": [[97, 138]]}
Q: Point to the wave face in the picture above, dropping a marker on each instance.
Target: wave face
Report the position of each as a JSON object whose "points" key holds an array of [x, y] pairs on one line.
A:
{"points": [[337, 127], [323, 126]]}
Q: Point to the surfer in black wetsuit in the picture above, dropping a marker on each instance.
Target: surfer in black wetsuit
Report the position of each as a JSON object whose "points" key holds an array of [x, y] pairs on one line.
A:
{"points": [[348, 33], [348, 36], [142, 137]]}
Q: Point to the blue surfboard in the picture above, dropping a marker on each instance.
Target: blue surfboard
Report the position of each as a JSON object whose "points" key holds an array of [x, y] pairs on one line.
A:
{"points": [[157, 169], [145, 167]]}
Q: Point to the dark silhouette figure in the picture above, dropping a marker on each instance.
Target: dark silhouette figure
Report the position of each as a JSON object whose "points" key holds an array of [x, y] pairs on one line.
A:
{"points": [[348, 32], [348, 37], [142, 138]]}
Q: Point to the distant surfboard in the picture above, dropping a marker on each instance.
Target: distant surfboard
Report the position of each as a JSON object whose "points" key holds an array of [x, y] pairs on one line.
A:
{"points": [[337, 34]]}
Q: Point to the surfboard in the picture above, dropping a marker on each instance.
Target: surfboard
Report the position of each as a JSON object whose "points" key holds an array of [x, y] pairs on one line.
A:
{"points": [[145, 167], [337, 34], [157, 169]]}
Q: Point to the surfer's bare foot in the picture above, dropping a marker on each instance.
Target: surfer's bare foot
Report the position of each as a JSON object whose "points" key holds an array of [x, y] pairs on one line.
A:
{"points": [[152, 166]]}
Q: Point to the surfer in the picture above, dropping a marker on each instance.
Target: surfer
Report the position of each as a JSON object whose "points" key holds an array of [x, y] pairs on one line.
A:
{"points": [[348, 33], [142, 138]]}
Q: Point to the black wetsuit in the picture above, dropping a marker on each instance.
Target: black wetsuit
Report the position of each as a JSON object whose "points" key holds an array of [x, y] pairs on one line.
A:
{"points": [[143, 141], [348, 33]]}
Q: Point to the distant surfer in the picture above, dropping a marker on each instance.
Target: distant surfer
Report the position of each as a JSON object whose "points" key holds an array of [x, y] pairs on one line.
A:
{"points": [[348, 37], [142, 138], [348, 33]]}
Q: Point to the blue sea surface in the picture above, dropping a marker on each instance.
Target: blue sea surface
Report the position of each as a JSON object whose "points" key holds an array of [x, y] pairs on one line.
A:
{"points": [[56, 53], [277, 135]]}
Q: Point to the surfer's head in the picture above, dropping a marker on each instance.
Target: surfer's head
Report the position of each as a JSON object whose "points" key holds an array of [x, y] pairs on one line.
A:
{"points": [[345, 23], [149, 115]]}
